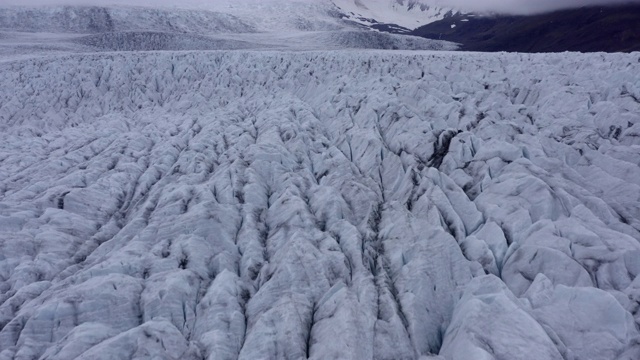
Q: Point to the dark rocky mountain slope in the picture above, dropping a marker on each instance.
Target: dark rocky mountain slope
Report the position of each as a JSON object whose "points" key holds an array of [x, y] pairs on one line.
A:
{"points": [[589, 29]]}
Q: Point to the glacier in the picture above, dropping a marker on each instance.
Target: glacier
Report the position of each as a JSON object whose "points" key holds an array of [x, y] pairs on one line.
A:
{"points": [[33, 31], [324, 205]]}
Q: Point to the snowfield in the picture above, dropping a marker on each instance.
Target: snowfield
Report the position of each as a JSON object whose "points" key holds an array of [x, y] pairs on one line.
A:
{"points": [[324, 205]]}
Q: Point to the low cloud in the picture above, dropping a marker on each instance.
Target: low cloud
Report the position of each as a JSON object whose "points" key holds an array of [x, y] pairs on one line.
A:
{"points": [[523, 6]]}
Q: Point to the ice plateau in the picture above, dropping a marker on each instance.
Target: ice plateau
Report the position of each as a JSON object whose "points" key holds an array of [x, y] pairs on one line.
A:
{"points": [[324, 205], [226, 25]]}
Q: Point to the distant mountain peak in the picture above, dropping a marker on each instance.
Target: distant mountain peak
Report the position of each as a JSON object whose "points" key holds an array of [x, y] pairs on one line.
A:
{"points": [[394, 15]]}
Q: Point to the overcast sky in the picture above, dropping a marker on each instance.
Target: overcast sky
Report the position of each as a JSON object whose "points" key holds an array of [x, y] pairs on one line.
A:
{"points": [[501, 6], [524, 6]]}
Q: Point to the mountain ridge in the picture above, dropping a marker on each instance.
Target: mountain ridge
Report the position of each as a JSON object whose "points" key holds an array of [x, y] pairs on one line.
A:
{"points": [[614, 28]]}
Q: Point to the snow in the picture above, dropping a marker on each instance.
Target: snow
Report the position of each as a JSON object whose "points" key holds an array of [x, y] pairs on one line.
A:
{"points": [[265, 204], [410, 14]]}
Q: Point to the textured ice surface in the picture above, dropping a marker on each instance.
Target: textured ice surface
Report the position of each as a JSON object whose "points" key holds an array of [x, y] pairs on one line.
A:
{"points": [[365, 205], [96, 20], [221, 25]]}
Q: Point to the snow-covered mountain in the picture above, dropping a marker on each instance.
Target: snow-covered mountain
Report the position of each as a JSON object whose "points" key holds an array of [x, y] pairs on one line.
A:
{"points": [[392, 15]]}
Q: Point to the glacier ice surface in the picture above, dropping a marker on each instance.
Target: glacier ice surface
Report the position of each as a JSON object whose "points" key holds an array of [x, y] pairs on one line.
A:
{"points": [[364, 205]]}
